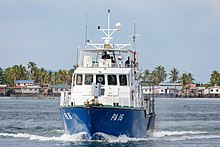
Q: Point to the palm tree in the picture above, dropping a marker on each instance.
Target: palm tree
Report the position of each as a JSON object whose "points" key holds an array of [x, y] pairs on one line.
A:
{"points": [[15, 72], [42, 76], [186, 78], [146, 75], [32, 70], [1, 76], [21, 72], [215, 78], [174, 75], [155, 77], [50, 76], [190, 78], [70, 72], [10, 76], [159, 75], [62, 76]]}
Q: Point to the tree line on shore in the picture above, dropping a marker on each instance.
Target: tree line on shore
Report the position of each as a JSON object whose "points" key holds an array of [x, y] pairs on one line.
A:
{"points": [[159, 75], [43, 76], [32, 72]]}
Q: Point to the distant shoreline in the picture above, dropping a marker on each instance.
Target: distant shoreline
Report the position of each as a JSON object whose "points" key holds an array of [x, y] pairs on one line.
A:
{"points": [[57, 98], [40, 97]]}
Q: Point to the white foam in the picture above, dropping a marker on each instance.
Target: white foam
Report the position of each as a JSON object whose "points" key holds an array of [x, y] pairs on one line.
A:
{"points": [[80, 137], [120, 139], [58, 131], [113, 139], [74, 138], [175, 133], [195, 137], [64, 137], [182, 135]]}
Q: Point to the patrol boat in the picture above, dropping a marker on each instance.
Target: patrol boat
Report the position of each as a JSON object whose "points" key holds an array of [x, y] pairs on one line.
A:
{"points": [[106, 96]]}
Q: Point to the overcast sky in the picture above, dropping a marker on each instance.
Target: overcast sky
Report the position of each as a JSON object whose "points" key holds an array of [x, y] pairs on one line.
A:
{"points": [[173, 33]]}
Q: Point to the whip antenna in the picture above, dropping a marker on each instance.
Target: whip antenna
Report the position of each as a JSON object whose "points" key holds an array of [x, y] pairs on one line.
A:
{"points": [[86, 40]]}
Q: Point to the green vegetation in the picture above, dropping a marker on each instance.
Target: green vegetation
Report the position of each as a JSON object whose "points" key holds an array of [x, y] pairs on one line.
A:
{"points": [[159, 75], [215, 78], [32, 72], [186, 78], [42, 76], [174, 75], [1, 76]]}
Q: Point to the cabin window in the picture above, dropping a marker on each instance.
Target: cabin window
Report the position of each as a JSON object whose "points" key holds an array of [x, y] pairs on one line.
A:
{"points": [[123, 80], [79, 79], [88, 79], [100, 79], [112, 80]]}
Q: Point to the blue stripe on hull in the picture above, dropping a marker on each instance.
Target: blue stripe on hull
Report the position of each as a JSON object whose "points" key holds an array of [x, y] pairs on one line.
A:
{"points": [[112, 121]]}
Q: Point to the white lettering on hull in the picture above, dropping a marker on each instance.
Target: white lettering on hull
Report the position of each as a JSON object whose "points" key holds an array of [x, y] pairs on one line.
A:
{"points": [[67, 116], [117, 117]]}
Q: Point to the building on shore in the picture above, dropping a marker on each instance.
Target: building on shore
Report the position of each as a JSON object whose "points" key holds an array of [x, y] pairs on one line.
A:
{"points": [[177, 90], [25, 88], [213, 91], [3, 90], [58, 88], [163, 90], [24, 82]]}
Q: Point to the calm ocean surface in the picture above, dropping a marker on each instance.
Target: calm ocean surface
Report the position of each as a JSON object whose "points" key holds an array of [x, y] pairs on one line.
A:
{"points": [[180, 122]]}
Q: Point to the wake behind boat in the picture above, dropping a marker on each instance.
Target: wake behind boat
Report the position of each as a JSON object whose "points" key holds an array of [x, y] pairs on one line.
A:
{"points": [[106, 95]]}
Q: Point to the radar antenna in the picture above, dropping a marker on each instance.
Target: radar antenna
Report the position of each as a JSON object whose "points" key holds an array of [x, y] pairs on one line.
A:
{"points": [[109, 32], [108, 35]]}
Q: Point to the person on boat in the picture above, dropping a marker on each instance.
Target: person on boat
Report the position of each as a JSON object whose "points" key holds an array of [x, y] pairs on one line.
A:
{"points": [[113, 61], [127, 63], [105, 55]]}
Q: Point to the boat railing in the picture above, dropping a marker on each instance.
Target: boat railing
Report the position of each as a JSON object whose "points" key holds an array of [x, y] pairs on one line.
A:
{"points": [[65, 99], [106, 63], [112, 65]]}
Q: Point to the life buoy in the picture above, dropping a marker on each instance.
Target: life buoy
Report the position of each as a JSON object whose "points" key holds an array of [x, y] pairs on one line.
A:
{"points": [[100, 79]]}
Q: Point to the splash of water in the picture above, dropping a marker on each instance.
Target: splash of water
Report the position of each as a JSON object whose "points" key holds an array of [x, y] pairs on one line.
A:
{"points": [[159, 134], [64, 137], [182, 135], [83, 136]]}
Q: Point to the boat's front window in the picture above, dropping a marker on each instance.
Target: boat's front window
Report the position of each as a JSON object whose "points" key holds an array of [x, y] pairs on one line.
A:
{"points": [[79, 79], [123, 80], [100, 79], [88, 79], [112, 80]]}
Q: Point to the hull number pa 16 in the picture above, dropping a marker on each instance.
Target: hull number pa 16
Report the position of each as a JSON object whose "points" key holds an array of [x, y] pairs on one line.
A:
{"points": [[117, 117]]}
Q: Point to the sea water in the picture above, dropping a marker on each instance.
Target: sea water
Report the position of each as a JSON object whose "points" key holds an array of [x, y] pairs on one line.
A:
{"points": [[179, 122]]}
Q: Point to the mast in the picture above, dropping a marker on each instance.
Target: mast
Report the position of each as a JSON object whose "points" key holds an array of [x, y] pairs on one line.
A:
{"points": [[108, 21], [86, 40], [134, 39], [108, 35]]}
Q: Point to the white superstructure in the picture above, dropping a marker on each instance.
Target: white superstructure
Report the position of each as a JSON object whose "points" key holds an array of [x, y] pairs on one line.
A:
{"points": [[103, 76]]}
